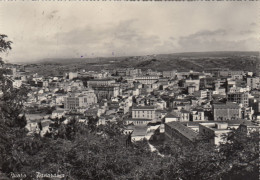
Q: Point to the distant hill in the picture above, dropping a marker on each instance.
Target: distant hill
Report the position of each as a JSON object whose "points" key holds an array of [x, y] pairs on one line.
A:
{"points": [[198, 61]]}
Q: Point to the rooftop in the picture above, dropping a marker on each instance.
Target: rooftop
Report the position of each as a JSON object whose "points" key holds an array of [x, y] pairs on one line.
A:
{"points": [[184, 130], [230, 122], [143, 108], [138, 130], [225, 106], [101, 79], [171, 116], [138, 119]]}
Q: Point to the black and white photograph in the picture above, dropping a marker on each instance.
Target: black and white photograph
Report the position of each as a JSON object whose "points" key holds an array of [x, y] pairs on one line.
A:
{"points": [[129, 90]]}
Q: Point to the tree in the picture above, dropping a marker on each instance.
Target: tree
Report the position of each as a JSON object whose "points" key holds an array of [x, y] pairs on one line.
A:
{"points": [[88, 151], [5, 45], [241, 154], [12, 126]]}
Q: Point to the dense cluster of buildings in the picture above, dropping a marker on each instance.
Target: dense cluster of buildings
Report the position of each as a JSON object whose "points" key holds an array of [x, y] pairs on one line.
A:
{"points": [[182, 105]]}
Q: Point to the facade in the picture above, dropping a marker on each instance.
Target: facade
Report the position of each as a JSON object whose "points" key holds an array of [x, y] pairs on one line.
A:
{"points": [[169, 74], [100, 82], [143, 112], [240, 98], [73, 75], [128, 72], [197, 115], [147, 79], [249, 127], [74, 101], [208, 82], [138, 122], [192, 82], [58, 114], [253, 82], [106, 92], [191, 89], [255, 104], [215, 71], [214, 131], [171, 118], [133, 72], [228, 111], [230, 73], [184, 115]]}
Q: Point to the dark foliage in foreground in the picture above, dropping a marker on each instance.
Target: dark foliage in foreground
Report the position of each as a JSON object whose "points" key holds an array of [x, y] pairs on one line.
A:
{"points": [[85, 151]]}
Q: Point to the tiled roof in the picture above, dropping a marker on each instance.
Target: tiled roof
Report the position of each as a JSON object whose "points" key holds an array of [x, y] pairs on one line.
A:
{"points": [[230, 122], [184, 111], [225, 106], [58, 111], [185, 131], [138, 120], [199, 110], [101, 80], [143, 107], [171, 116], [139, 131]]}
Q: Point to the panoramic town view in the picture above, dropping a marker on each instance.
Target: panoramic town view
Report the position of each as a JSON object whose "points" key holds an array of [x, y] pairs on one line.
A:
{"points": [[112, 102]]}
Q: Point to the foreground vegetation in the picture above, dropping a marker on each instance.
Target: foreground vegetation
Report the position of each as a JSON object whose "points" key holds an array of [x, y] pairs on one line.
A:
{"points": [[85, 151]]}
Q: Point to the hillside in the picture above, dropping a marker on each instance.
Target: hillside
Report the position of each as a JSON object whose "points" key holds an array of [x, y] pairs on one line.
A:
{"points": [[180, 61]]}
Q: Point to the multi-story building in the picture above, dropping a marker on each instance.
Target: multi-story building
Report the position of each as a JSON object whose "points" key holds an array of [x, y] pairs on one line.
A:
{"points": [[249, 127], [214, 131], [235, 73], [71, 102], [143, 112], [128, 72], [169, 74], [133, 72], [192, 82], [73, 75], [253, 82], [171, 118], [214, 71], [237, 77], [100, 82], [228, 111], [230, 73], [184, 115], [207, 83], [106, 92], [173, 103], [147, 79], [191, 89], [255, 104], [240, 98], [178, 131], [74, 101], [197, 115]]}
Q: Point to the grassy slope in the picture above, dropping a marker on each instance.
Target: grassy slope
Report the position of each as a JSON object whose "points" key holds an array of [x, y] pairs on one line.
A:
{"points": [[180, 61]]}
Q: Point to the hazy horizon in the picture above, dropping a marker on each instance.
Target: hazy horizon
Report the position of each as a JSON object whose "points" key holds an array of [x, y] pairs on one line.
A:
{"points": [[45, 30]]}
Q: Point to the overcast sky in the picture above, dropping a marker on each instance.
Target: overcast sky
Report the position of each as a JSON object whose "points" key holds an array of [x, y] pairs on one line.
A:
{"points": [[89, 29]]}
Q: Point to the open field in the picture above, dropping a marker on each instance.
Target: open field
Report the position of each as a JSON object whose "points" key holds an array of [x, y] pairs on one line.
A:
{"points": [[180, 61]]}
